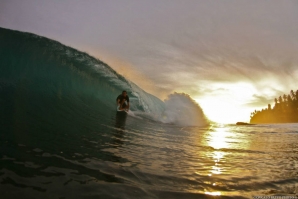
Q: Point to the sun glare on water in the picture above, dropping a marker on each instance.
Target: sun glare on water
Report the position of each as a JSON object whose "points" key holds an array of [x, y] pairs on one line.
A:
{"points": [[217, 139]]}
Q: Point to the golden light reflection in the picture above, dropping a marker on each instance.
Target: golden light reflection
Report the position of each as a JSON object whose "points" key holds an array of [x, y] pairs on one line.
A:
{"points": [[217, 140], [220, 139], [216, 169], [216, 193]]}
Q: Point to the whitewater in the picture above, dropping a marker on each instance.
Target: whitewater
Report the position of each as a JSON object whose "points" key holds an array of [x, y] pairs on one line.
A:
{"points": [[61, 137]]}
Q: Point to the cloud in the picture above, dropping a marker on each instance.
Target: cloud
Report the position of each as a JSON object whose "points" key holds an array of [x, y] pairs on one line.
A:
{"points": [[190, 46], [259, 101]]}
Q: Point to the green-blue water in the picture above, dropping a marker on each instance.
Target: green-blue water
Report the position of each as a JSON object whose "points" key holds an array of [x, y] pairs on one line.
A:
{"points": [[60, 136]]}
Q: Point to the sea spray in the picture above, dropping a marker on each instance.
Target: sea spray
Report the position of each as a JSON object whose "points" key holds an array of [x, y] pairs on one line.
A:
{"points": [[181, 109]]}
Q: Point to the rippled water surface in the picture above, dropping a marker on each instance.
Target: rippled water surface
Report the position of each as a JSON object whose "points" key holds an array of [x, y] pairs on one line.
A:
{"points": [[133, 158]]}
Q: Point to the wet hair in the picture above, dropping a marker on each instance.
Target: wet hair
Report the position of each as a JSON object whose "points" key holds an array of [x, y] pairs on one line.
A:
{"points": [[124, 91]]}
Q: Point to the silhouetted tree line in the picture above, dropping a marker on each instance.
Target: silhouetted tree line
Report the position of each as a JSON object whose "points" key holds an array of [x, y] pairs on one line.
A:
{"points": [[285, 110]]}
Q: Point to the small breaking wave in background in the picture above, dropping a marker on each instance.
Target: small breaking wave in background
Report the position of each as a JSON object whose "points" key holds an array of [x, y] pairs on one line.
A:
{"points": [[181, 109]]}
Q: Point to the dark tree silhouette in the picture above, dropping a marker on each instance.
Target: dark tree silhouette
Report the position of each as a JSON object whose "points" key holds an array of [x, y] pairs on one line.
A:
{"points": [[280, 99], [285, 110], [293, 95]]}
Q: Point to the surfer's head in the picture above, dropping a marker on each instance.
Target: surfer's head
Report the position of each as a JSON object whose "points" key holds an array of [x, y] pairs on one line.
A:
{"points": [[124, 93]]}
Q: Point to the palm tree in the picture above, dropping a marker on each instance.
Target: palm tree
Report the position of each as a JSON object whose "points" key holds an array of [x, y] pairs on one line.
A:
{"points": [[269, 106], [296, 101], [290, 102], [286, 106], [293, 95], [285, 98], [289, 98], [280, 99], [251, 114]]}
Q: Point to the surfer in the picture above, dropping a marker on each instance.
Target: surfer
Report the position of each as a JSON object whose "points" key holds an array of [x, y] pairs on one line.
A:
{"points": [[123, 101]]}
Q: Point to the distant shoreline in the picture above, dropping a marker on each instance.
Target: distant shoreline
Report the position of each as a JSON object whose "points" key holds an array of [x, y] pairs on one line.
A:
{"points": [[285, 110]]}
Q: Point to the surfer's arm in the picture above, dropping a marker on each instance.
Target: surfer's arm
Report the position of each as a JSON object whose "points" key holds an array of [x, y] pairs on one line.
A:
{"points": [[127, 105]]}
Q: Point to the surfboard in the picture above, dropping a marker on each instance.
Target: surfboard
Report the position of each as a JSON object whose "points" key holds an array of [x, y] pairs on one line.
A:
{"points": [[126, 111]]}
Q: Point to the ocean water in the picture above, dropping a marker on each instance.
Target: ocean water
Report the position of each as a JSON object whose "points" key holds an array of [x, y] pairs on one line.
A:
{"points": [[60, 136], [129, 159]]}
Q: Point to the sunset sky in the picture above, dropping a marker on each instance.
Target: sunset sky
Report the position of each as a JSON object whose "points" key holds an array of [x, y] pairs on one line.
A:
{"points": [[231, 56]]}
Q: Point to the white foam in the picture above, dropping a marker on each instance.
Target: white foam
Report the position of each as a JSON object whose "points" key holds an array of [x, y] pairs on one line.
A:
{"points": [[181, 109], [131, 113]]}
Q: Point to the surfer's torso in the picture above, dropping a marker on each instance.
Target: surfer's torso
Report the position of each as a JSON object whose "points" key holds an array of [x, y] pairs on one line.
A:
{"points": [[121, 97]]}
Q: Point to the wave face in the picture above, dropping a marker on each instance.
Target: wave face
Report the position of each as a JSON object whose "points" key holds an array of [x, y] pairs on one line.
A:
{"points": [[45, 80], [41, 78]]}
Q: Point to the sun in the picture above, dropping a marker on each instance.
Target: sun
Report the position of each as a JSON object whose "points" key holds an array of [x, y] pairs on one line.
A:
{"points": [[223, 111], [228, 106]]}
